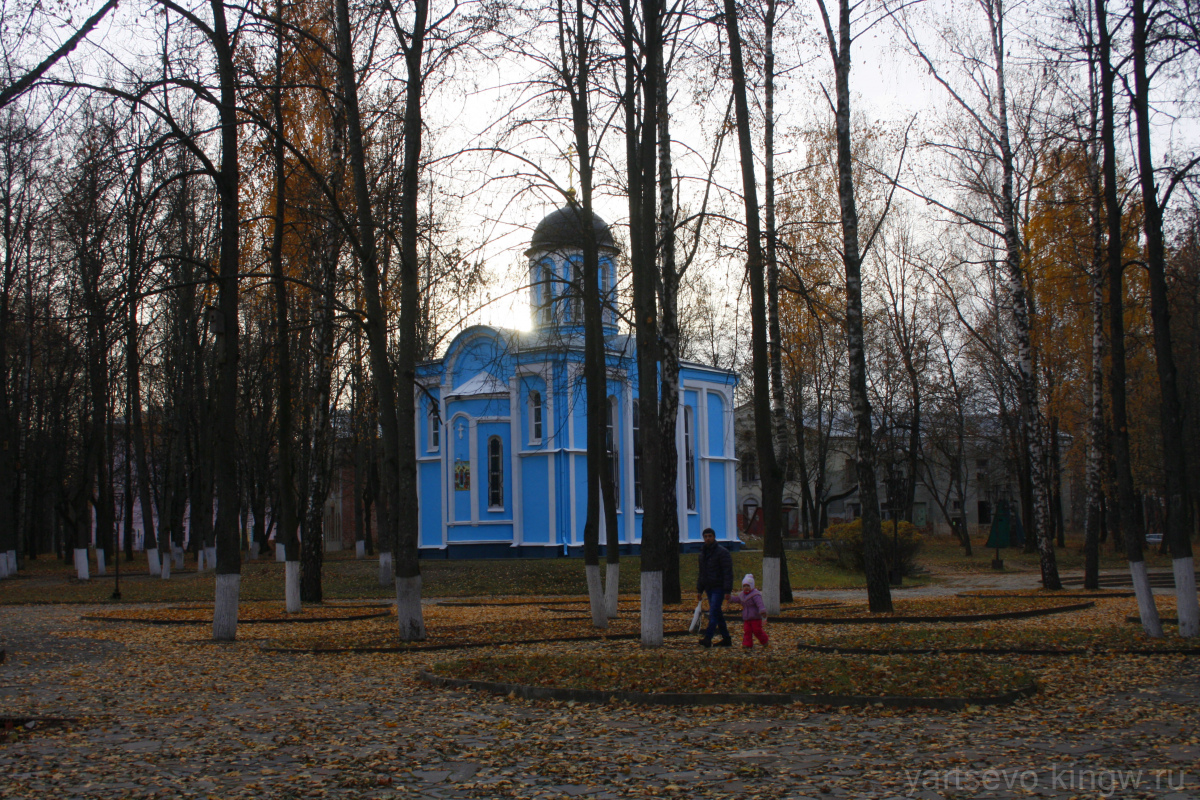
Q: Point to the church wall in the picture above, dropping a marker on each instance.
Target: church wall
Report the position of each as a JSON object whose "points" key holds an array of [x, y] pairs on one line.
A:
{"points": [[429, 488], [536, 506]]}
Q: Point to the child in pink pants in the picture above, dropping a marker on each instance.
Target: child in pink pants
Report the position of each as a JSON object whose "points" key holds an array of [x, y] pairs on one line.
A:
{"points": [[754, 613]]}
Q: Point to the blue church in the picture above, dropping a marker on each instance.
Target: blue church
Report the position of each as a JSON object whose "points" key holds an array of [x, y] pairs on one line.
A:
{"points": [[501, 435]]}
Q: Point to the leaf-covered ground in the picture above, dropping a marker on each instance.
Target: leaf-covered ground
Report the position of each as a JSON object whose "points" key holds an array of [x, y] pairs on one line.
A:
{"points": [[909, 676], [251, 611], [1101, 628], [945, 606], [162, 712]]}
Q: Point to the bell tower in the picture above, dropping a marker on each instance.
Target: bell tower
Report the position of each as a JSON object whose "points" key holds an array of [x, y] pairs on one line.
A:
{"points": [[556, 271]]}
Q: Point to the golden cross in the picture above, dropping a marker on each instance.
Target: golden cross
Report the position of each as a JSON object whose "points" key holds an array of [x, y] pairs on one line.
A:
{"points": [[571, 169]]}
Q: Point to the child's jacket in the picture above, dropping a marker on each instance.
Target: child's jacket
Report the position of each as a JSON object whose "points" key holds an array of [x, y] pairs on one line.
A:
{"points": [[753, 606]]}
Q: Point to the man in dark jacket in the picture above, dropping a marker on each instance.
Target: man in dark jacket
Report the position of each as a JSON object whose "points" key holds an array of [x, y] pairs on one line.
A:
{"points": [[715, 579]]}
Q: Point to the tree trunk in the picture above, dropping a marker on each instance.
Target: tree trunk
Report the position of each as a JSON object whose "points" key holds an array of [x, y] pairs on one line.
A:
{"points": [[879, 596], [1095, 445], [229, 554], [407, 565], [1177, 535], [668, 406], [576, 55], [1039, 525], [1130, 522], [286, 512], [771, 475], [641, 150], [774, 338]]}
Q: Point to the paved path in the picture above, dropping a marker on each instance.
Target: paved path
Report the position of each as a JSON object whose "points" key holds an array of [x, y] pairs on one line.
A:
{"points": [[168, 715]]}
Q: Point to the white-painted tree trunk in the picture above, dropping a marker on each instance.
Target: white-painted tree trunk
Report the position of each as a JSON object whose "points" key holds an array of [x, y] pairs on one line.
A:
{"points": [[408, 608], [386, 573], [1186, 601], [4, 566], [652, 609], [1145, 600], [291, 586], [152, 560], [612, 587], [177, 555], [252, 551], [12, 563], [280, 552], [596, 596], [225, 607], [99, 561], [165, 568], [212, 556], [770, 584], [201, 559], [360, 549], [81, 563]]}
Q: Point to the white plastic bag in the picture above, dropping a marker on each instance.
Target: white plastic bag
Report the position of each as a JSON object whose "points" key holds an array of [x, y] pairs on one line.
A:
{"points": [[695, 626]]}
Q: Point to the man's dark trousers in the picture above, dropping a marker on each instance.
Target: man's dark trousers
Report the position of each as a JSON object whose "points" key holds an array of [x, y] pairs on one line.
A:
{"points": [[716, 618]]}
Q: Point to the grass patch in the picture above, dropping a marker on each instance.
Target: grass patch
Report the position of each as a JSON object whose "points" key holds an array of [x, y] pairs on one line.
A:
{"points": [[943, 554], [48, 580], [898, 676]]}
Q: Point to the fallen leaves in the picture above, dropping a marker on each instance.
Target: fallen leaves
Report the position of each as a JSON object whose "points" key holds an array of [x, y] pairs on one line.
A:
{"points": [[667, 671], [248, 612]]}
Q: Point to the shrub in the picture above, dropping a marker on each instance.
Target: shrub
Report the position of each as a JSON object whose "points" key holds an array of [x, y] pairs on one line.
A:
{"points": [[846, 542]]}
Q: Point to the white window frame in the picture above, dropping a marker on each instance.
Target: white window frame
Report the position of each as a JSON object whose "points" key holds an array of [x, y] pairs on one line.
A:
{"points": [[433, 430], [535, 416]]}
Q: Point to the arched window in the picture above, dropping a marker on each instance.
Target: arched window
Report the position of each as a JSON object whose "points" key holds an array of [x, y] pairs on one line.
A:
{"points": [[535, 417], [495, 474], [545, 292], [576, 290], [435, 429], [610, 441], [689, 458], [750, 516], [606, 287], [637, 455]]}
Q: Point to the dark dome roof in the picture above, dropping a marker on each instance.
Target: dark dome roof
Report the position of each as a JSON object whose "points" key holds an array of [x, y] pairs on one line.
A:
{"points": [[564, 229]]}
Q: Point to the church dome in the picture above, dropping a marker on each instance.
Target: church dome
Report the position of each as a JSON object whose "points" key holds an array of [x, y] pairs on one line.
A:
{"points": [[563, 229]]}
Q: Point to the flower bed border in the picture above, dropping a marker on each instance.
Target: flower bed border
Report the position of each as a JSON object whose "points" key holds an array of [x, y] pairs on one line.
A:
{"points": [[265, 621], [1055, 596], [997, 615], [995, 651], [601, 697], [417, 648]]}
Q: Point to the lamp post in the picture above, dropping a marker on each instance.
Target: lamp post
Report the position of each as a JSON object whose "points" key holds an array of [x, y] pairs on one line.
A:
{"points": [[119, 498]]}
